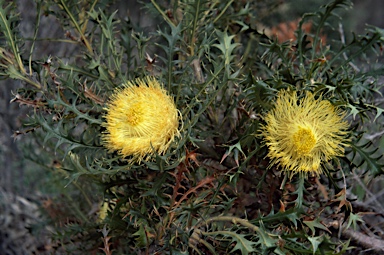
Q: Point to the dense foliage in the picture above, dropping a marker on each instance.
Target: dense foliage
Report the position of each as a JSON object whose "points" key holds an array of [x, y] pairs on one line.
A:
{"points": [[214, 190]]}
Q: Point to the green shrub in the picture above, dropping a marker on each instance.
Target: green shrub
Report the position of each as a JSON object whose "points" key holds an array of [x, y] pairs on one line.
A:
{"points": [[212, 184]]}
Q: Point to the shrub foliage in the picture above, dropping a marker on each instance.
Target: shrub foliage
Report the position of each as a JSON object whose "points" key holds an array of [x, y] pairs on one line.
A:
{"points": [[213, 191]]}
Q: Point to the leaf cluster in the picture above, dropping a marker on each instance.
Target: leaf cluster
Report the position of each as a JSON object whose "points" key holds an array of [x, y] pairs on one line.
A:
{"points": [[212, 192]]}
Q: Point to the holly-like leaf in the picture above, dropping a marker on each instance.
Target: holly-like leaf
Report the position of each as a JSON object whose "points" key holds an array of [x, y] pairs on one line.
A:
{"points": [[366, 155], [300, 193], [236, 149], [242, 244], [144, 237], [315, 241], [312, 224], [265, 238], [354, 111], [353, 219], [342, 198]]}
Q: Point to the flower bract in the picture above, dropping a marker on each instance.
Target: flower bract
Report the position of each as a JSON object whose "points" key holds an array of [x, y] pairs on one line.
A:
{"points": [[141, 120], [303, 132]]}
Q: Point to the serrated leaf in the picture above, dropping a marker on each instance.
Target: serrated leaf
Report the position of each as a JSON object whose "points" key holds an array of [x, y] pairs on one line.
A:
{"points": [[300, 192], [315, 241], [242, 244], [141, 240], [279, 251], [79, 114], [345, 247], [293, 217], [353, 219], [56, 130], [354, 111], [312, 224], [264, 238], [367, 155], [235, 148], [226, 46], [291, 214], [260, 93], [379, 112], [144, 237]]}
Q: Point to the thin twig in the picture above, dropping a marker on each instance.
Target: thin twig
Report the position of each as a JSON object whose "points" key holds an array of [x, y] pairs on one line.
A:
{"points": [[342, 39], [373, 196], [366, 241], [369, 242], [375, 135]]}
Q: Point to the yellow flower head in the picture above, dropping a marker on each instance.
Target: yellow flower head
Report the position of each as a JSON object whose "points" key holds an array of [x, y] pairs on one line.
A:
{"points": [[141, 120], [303, 133]]}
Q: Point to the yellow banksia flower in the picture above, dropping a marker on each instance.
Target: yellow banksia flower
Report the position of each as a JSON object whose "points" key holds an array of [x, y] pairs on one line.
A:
{"points": [[141, 120], [301, 134]]}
